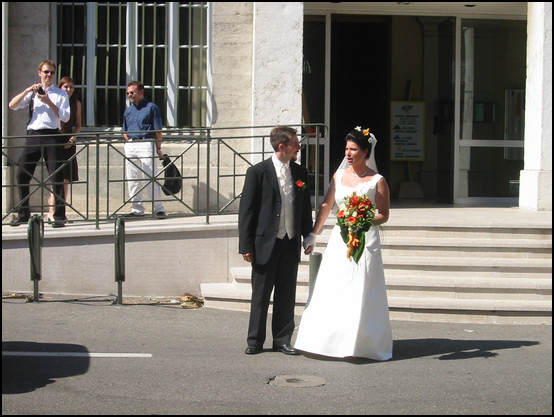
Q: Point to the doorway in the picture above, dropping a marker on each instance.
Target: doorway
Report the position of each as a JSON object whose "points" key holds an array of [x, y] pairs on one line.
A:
{"points": [[351, 88], [359, 83]]}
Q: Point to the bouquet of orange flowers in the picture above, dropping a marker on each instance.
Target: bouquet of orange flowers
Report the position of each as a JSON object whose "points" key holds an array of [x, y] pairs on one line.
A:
{"points": [[355, 217]]}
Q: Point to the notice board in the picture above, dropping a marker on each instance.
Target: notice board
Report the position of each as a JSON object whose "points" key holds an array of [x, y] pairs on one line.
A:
{"points": [[407, 130]]}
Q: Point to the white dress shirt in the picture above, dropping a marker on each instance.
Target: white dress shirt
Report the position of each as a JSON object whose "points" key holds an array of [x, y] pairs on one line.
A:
{"points": [[43, 117], [286, 189]]}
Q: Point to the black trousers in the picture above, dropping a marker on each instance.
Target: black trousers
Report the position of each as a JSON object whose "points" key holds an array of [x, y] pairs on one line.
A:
{"points": [[279, 275], [37, 148]]}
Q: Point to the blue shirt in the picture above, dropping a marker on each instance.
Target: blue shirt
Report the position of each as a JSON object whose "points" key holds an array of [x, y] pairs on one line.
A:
{"points": [[145, 116]]}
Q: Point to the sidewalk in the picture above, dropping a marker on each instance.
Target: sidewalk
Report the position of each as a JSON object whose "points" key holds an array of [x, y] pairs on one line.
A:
{"points": [[158, 358]]}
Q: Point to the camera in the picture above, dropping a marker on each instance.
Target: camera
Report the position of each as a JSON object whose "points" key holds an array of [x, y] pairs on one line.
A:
{"points": [[40, 91]]}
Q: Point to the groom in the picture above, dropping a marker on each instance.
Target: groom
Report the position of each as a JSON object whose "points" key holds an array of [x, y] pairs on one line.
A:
{"points": [[275, 212]]}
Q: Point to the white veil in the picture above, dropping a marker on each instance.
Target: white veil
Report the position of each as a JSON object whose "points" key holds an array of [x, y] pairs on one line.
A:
{"points": [[370, 162]]}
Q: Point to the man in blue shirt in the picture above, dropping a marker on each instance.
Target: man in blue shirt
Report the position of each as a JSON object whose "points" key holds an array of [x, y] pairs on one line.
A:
{"points": [[142, 116]]}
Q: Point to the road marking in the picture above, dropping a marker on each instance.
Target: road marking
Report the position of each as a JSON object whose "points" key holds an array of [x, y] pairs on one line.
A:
{"points": [[80, 354]]}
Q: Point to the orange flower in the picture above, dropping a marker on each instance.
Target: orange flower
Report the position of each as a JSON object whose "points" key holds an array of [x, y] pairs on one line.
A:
{"points": [[352, 244]]}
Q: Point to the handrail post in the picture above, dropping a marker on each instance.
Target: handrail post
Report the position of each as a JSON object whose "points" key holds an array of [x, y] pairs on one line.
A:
{"points": [[119, 256], [316, 185], [97, 179], [35, 235], [208, 144]]}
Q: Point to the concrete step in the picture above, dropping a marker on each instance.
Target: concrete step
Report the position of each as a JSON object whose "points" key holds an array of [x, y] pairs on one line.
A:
{"points": [[474, 248], [470, 232], [232, 297], [441, 224], [434, 245], [459, 238], [444, 287], [452, 267], [471, 311], [463, 266], [442, 273], [242, 275], [470, 288]]}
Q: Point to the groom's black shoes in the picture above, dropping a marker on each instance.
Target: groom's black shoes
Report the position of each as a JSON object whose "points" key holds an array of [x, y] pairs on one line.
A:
{"points": [[252, 350], [286, 349]]}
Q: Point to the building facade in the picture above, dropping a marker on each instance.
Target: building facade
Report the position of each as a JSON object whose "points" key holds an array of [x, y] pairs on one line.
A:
{"points": [[473, 83]]}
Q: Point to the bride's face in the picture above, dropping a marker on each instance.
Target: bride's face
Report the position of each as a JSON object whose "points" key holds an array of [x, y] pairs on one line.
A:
{"points": [[354, 154]]}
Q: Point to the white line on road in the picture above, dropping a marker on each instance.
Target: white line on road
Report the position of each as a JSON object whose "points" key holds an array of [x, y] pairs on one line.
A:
{"points": [[80, 354]]}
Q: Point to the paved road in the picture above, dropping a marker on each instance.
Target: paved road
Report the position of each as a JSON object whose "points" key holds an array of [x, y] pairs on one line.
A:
{"points": [[163, 359]]}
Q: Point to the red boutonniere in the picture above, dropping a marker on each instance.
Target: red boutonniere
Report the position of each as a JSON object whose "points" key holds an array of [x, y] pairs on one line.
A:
{"points": [[300, 185]]}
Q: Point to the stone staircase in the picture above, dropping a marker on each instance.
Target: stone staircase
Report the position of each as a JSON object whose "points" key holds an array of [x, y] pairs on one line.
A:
{"points": [[460, 273]]}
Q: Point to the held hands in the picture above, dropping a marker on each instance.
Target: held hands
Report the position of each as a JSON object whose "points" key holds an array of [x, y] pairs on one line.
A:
{"points": [[309, 243]]}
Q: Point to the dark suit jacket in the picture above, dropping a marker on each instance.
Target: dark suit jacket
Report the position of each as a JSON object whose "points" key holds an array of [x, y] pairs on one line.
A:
{"points": [[260, 209]]}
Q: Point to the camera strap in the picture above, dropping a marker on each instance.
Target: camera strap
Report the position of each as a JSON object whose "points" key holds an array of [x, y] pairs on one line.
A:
{"points": [[31, 107]]}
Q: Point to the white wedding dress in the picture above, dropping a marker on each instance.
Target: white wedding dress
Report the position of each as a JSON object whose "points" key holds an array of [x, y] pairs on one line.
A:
{"points": [[348, 314]]}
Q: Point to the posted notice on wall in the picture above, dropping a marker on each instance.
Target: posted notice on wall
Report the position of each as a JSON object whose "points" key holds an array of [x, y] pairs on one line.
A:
{"points": [[407, 130]]}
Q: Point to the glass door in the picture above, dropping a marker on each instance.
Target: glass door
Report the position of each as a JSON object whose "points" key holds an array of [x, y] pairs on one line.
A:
{"points": [[489, 120]]}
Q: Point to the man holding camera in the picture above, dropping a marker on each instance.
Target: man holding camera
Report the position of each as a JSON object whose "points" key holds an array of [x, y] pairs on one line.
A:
{"points": [[48, 105]]}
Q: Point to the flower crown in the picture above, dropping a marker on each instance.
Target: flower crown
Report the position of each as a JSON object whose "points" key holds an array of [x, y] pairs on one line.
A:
{"points": [[365, 132]]}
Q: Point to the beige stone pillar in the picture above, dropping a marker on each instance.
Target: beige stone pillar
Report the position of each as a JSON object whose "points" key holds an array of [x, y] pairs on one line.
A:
{"points": [[536, 177], [277, 63]]}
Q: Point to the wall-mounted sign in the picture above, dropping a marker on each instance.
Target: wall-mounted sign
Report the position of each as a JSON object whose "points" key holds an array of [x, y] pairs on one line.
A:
{"points": [[407, 130]]}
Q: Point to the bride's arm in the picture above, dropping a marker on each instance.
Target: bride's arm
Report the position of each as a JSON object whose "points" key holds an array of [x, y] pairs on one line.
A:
{"points": [[325, 207], [382, 201]]}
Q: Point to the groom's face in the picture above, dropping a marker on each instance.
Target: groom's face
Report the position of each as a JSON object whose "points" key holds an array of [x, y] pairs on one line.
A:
{"points": [[291, 149]]}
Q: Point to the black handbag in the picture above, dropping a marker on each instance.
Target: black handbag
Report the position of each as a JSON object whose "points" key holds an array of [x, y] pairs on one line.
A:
{"points": [[173, 179]]}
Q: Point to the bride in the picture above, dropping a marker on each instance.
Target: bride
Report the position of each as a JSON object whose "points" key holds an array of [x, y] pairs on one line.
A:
{"points": [[347, 314]]}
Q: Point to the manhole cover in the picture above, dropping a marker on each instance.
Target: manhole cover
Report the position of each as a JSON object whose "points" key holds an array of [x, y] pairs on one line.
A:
{"points": [[299, 381]]}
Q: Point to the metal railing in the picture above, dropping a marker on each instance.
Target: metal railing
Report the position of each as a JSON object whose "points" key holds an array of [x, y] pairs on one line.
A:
{"points": [[212, 163]]}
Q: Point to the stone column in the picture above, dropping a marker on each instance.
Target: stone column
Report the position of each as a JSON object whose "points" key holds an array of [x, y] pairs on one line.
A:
{"points": [[536, 177], [277, 63]]}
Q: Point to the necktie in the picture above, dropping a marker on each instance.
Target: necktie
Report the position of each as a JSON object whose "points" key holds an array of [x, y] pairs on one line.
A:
{"points": [[285, 179], [285, 183]]}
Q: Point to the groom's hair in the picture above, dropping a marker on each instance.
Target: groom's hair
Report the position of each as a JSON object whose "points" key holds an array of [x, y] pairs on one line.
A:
{"points": [[281, 134]]}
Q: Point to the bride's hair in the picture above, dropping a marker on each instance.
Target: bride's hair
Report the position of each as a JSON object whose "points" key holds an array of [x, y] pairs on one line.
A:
{"points": [[359, 139], [365, 140]]}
